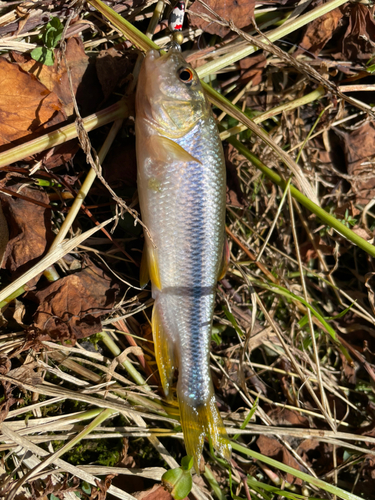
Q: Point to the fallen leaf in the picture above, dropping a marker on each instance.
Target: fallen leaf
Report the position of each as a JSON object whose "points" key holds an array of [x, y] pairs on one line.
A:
{"points": [[252, 69], [29, 224], [71, 307], [120, 165], [370, 288], [7, 397], [26, 374], [270, 447], [112, 66], [362, 233], [286, 417], [315, 454], [240, 12], [157, 492], [309, 251], [55, 78], [102, 486], [4, 235], [26, 105], [235, 196], [358, 146], [357, 43], [319, 32]]}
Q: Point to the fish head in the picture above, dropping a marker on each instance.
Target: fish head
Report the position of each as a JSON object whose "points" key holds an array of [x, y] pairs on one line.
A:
{"points": [[170, 95]]}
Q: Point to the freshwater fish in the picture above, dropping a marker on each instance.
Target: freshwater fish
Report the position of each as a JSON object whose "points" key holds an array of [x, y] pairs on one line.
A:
{"points": [[181, 187]]}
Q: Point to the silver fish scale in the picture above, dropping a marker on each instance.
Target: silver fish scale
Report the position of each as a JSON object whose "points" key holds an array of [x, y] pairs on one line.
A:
{"points": [[189, 211]]}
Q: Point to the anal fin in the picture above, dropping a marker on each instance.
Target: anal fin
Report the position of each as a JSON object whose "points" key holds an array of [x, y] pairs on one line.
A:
{"points": [[224, 260], [199, 421], [163, 352], [149, 267]]}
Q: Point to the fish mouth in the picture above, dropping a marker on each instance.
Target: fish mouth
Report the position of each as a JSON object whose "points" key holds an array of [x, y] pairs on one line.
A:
{"points": [[153, 54]]}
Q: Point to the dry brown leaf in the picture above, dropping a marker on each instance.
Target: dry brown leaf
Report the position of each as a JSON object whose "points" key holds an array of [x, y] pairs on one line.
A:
{"points": [[4, 235], [370, 288], [157, 492], [359, 152], [112, 66], [358, 41], [102, 486], [235, 196], [270, 447], [70, 308], [26, 105], [239, 11], [55, 78], [319, 32], [29, 225], [26, 374], [120, 165], [252, 69]]}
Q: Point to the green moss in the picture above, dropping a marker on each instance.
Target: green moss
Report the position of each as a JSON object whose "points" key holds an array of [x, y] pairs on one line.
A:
{"points": [[103, 452]]}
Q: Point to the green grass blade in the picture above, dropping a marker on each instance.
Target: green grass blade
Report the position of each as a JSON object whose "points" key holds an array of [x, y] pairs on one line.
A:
{"points": [[140, 40], [344, 495], [325, 217]]}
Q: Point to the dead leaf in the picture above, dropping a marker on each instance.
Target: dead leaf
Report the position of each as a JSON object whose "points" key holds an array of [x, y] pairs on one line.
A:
{"points": [[126, 460], [112, 66], [319, 32], [101, 492], [70, 308], [252, 69], [8, 399], [157, 492], [55, 78], [235, 195], [357, 42], [4, 235], [359, 153], [26, 105], [29, 225], [286, 417], [362, 233], [239, 11], [371, 293], [309, 251], [270, 447], [120, 165], [26, 374]]}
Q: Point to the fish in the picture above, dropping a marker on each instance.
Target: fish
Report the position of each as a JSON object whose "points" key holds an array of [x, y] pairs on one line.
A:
{"points": [[182, 193]]}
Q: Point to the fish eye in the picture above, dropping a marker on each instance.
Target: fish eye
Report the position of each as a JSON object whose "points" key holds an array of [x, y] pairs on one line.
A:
{"points": [[186, 75]]}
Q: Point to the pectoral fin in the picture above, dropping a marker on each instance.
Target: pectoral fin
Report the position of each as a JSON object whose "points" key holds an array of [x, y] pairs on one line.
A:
{"points": [[149, 267], [225, 260], [168, 150], [163, 351]]}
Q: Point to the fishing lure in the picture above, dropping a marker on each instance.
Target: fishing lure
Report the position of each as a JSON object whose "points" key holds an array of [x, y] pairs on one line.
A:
{"points": [[181, 186], [176, 18]]}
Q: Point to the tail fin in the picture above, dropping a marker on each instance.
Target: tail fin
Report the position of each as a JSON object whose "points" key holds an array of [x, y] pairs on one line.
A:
{"points": [[197, 421]]}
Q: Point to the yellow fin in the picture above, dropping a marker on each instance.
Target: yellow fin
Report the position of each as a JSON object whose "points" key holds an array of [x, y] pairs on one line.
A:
{"points": [[199, 421], [144, 275], [163, 352], [149, 267], [170, 150], [225, 260]]}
